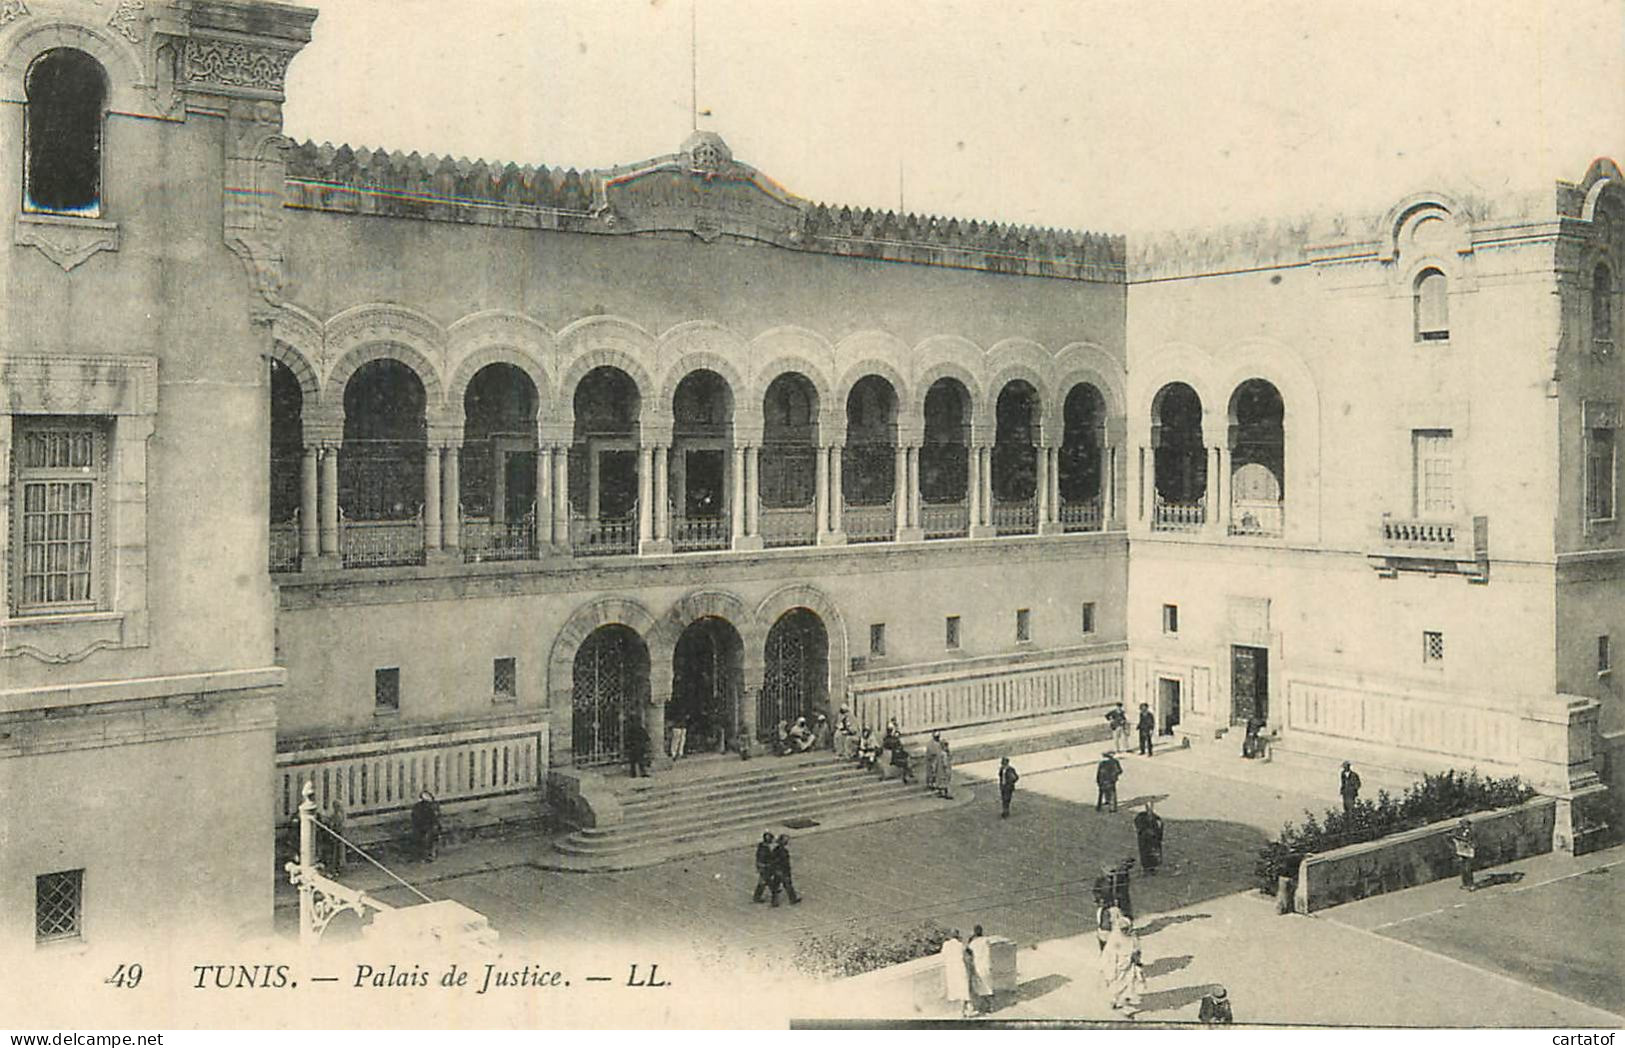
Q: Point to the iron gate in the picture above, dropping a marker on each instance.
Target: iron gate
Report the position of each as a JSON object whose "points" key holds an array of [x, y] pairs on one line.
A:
{"points": [[796, 676], [602, 687]]}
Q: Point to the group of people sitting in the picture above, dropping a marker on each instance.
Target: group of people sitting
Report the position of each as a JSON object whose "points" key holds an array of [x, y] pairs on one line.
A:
{"points": [[799, 738]]}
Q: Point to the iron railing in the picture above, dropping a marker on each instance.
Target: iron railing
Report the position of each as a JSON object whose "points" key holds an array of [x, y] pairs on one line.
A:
{"points": [[1178, 516], [790, 526], [700, 533], [1015, 518], [945, 520], [492, 540], [1264, 517], [604, 537], [285, 545], [381, 543], [1083, 515], [870, 523]]}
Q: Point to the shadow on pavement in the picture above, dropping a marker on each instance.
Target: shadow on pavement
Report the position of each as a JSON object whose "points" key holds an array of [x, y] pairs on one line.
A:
{"points": [[1157, 925], [1490, 880], [1136, 802], [1031, 991], [1168, 1000], [1167, 965]]}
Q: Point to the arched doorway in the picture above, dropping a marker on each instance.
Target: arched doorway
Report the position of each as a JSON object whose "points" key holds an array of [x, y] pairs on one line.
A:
{"points": [[869, 467], [701, 480], [795, 681], [609, 687], [1257, 459], [1015, 459], [381, 484], [945, 461], [789, 462], [604, 464], [1079, 463], [1179, 459], [497, 474], [706, 683]]}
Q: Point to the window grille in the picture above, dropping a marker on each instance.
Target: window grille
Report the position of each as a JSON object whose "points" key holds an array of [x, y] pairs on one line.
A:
{"points": [[1432, 646], [1600, 470], [60, 468], [877, 639], [1089, 617], [386, 690], [1434, 454], [504, 678], [951, 631], [1024, 625], [58, 900]]}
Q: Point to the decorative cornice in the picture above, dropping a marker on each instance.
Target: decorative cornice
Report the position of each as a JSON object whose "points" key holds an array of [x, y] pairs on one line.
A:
{"points": [[73, 384]]}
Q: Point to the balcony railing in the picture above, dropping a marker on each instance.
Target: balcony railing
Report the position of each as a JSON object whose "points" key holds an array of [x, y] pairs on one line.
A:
{"points": [[1420, 534], [381, 543], [945, 520], [1178, 516], [699, 533], [1015, 518], [1083, 515], [789, 526], [285, 545], [604, 537], [1262, 517], [870, 523], [489, 540]]}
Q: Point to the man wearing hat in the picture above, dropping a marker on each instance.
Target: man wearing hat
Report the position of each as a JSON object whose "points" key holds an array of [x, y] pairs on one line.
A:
{"points": [[781, 871], [1107, 772], [1216, 1007], [764, 869], [1466, 851], [1349, 787]]}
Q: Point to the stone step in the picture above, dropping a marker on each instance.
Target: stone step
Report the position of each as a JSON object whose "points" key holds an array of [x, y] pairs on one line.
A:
{"points": [[656, 797], [706, 811]]}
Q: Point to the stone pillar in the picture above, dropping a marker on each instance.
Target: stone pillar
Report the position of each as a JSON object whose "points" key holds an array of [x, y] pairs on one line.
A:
{"points": [[431, 501], [900, 489], [593, 466], [973, 486], [329, 499], [747, 718], [982, 523], [662, 507], [821, 492], [451, 483], [647, 542], [654, 722], [1218, 514], [736, 497], [909, 529], [544, 497], [1108, 492], [836, 535], [561, 496], [309, 520], [747, 484], [1049, 513]]}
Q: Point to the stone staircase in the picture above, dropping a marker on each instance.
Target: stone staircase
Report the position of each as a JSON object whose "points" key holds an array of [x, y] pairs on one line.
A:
{"points": [[711, 804]]}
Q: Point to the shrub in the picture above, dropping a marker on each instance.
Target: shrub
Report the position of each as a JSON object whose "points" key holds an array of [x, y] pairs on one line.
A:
{"points": [[855, 951], [1436, 798]]}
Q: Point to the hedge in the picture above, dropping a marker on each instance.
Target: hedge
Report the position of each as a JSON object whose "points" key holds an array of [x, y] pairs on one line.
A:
{"points": [[853, 952]]}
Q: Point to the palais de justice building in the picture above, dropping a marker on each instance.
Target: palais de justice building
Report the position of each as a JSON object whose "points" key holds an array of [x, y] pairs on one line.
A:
{"points": [[398, 472]]}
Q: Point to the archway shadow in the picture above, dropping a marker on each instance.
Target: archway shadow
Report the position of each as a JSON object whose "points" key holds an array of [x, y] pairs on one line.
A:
{"points": [[1179, 997], [1152, 927]]}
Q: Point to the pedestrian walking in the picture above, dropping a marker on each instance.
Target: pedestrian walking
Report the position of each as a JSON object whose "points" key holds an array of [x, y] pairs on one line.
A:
{"points": [[765, 880], [945, 772], [1107, 772], [679, 737], [1117, 722], [1215, 1009], [426, 826], [1466, 846], [781, 870], [1121, 967], [1148, 727], [1148, 834], [933, 762], [1117, 887], [956, 968], [1349, 787], [1106, 917], [1008, 778], [637, 748], [981, 970]]}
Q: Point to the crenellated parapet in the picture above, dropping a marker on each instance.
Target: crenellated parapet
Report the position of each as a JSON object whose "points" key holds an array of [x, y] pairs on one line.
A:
{"points": [[700, 190]]}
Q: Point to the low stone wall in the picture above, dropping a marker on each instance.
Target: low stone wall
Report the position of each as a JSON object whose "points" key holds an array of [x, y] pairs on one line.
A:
{"points": [[1404, 860]]}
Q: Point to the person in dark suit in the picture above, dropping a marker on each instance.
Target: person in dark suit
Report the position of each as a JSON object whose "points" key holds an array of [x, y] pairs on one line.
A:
{"points": [[1148, 834], [1466, 846], [426, 825], [1148, 727], [781, 870], [1107, 772], [1215, 1010], [1349, 786], [637, 748], [764, 870], [1007, 786]]}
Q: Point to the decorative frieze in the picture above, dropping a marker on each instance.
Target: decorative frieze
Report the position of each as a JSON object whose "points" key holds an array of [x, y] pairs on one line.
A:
{"points": [[11, 10], [126, 20], [233, 64]]}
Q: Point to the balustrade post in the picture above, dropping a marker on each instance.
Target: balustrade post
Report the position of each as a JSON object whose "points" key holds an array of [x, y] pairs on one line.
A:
{"points": [[329, 498], [309, 521], [431, 501], [451, 489], [981, 526], [836, 535], [911, 531], [561, 497], [308, 935], [662, 507]]}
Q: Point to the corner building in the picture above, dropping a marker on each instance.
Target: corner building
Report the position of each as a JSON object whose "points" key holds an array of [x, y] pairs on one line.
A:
{"points": [[404, 472]]}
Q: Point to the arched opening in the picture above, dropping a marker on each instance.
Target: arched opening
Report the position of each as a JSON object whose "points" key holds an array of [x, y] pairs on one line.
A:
{"points": [[795, 679], [868, 463], [789, 481], [381, 466], [1602, 309], [287, 458], [700, 475], [604, 464], [1257, 459], [609, 687], [67, 93], [1431, 302], [1015, 459], [497, 465], [707, 682], [1179, 459], [945, 460], [1079, 464]]}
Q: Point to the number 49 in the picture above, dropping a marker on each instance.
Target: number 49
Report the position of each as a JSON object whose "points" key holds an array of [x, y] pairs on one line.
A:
{"points": [[127, 977]]}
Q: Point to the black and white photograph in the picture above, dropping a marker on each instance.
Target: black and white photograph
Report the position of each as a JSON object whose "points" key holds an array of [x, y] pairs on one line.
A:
{"points": [[529, 515]]}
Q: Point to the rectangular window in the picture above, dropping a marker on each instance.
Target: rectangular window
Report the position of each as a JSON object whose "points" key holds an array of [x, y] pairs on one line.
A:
{"points": [[1170, 618], [58, 904], [60, 468], [951, 632], [386, 690], [504, 679], [1605, 658], [877, 639], [1432, 646], [1089, 616], [1434, 468], [1600, 473], [1024, 625]]}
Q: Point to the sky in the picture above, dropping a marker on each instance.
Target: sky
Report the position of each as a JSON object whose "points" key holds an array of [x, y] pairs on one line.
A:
{"points": [[1108, 115]]}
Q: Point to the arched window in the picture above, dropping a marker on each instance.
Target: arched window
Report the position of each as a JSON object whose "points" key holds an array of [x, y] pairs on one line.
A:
{"points": [[66, 92], [1602, 309], [1432, 306]]}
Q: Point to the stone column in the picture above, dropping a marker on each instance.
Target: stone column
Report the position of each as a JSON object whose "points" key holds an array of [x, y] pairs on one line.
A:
{"points": [[1218, 514], [561, 496], [982, 525], [1108, 487], [900, 489], [1041, 486], [309, 520], [593, 466], [1049, 512], [973, 486], [544, 497], [821, 492], [736, 497], [451, 516], [910, 531], [662, 488], [747, 717], [835, 535], [747, 489], [329, 499], [654, 722], [647, 542], [431, 501]]}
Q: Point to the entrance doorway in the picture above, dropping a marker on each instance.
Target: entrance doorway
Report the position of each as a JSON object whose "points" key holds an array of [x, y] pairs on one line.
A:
{"points": [[795, 682], [1167, 705], [1249, 684], [706, 684], [610, 686]]}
